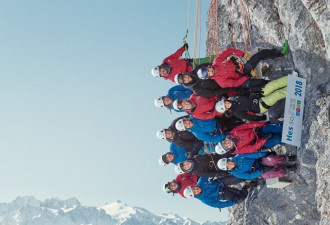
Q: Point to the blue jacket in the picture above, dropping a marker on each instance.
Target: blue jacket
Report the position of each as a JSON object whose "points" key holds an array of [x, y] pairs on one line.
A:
{"points": [[244, 164], [206, 130], [179, 92], [210, 193], [179, 153]]}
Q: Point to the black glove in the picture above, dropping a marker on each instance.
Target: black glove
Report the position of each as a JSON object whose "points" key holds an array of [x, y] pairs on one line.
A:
{"points": [[267, 136], [186, 46], [264, 169]]}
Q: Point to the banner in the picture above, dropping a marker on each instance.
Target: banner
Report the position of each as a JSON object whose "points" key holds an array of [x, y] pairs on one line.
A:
{"points": [[294, 110]]}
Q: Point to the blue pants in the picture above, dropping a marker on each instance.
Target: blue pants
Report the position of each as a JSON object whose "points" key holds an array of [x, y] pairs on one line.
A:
{"points": [[276, 130]]}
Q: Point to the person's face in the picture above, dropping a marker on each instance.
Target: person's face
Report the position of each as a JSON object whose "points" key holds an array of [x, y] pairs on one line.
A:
{"points": [[210, 71], [168, 134], [167, 101], [196, 190], [163, 72], [186, 105], [186, 79], [173, 186], [169, 157], [187, 124], [186, 165], [228, 143], [227, 105], [230, 165]]}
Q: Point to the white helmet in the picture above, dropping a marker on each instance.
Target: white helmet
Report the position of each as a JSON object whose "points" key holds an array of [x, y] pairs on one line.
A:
{"points": [[178, 170], [202, 73], [179, 78], [222, 164], [220, 149], [155, 71], [161, 134], [179, 125], [188, 193], [159, 102], [220, 105], [161, 161]]}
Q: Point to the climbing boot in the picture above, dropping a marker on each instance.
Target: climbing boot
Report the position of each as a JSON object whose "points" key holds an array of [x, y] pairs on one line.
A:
{"points": [[291, 158], [285, 48], [292, 168]]}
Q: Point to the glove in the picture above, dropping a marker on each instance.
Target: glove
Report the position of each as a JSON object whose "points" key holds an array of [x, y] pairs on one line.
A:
{"points": [[186, 46], [247, 56], [262, 118], [267, 136], [254, 73]]}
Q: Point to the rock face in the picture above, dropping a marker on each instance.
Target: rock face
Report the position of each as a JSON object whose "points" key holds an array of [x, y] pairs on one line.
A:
{"points": [[305, 23]]}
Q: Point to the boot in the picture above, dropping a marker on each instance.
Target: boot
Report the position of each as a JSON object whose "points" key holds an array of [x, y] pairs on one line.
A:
{"points": [[285, 48], [291, 168]]}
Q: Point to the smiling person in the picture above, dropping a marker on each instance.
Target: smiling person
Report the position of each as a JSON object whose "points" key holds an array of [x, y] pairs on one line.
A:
{"points": [[200, 107], [205, 130], [242, 106], [176, 92], [250, 137], [177, 154], [203, 87], [181, 182], [229, 70], [215, 193], [206, 166], [249, 166]]}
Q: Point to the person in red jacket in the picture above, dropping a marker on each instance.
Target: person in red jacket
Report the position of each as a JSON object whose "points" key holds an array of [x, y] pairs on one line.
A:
{"points": [[172, 65], [199, 107], [250, 137], [228, 70], [181, 182]]}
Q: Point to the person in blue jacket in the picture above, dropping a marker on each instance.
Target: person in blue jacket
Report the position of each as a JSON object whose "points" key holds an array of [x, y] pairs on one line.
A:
{"points": [[174, 93], [205, 130], [215, 193], [257, 165], [176, 155]]}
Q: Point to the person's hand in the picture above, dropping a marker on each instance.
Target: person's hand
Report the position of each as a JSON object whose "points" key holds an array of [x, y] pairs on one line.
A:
{"points": [[254, 73], [247, 56], [186, 46]]}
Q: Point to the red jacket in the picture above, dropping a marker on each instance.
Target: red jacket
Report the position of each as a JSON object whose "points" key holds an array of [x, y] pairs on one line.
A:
{"points": [[177, 64], [186, 180], [205, 107], [246, 135], [225, 73]]}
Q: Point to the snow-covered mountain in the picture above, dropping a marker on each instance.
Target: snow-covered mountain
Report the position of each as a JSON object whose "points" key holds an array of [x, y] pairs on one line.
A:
{"points": [[28, 210]]}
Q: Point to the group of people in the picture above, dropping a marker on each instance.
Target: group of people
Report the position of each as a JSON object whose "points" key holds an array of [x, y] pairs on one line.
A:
{"points": [[225, 137]]}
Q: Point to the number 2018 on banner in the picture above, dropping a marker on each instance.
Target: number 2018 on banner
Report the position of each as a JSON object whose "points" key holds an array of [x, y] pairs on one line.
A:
{"points": [[298, 88]]}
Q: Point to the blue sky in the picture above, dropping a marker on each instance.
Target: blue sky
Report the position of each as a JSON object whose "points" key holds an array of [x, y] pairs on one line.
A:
{"points": [[77, 115]]}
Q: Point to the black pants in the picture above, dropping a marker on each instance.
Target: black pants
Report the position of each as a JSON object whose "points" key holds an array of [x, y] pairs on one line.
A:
{"points": [[262, 55], [227, 124], [234, 194], [230, 179]]}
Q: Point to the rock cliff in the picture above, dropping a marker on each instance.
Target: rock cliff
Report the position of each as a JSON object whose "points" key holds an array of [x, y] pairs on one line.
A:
{"points": [[305, 23]]}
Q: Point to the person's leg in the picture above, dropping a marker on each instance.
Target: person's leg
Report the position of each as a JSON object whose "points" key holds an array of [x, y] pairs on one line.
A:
{"points": [[262, 55], [273, 160], [234, 194], [274, 140], [272, 128], [274, 85], [266, 102], [230, 180], [274, 173]]}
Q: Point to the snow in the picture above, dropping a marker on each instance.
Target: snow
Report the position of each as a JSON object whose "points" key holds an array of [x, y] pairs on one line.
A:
{"points": [[118, 210]]}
